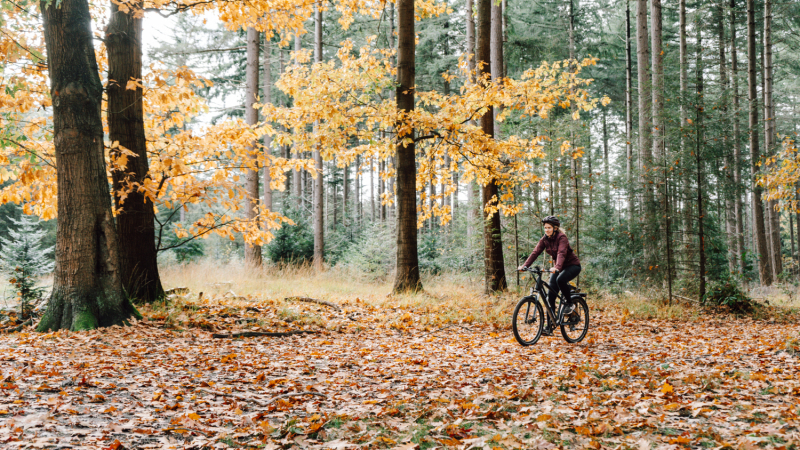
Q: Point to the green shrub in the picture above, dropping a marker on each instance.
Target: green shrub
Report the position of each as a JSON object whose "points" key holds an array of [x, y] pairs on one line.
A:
{"points": [[293, 244], [728, 293]]}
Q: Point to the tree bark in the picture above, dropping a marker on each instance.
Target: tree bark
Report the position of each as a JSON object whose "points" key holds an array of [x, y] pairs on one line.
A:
{"points": [[135, 220], [759, 231], [267, 139], [726, 177], [252, 253], [319, 211], [472, 209], [87, 286], [629, 115], [659, 149], [688, 234], [407, 277], [769, 140], [645, 124], [297, 187], [492, 237], [699, 144], [737, 152]]}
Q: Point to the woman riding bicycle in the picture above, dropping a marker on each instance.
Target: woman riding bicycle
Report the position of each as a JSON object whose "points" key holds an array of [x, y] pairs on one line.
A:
{"points": [[567, 266]]}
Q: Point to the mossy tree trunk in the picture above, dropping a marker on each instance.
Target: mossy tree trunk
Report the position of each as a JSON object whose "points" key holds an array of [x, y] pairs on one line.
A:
{"points": [[87, 288], [135, 220]]}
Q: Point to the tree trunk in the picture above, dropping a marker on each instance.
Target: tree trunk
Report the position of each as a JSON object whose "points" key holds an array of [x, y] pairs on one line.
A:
{"points": [[645, 125], [87, 286], [267, 139], [135, 220], [297, 185], [699, 144], [684, 90], [319, 188], [770, 138], [659, 149], [472, 209], [629, 114], [407, 277], [493, 244], [737, 152], [726, 177], [252, 253], [759, 231]]}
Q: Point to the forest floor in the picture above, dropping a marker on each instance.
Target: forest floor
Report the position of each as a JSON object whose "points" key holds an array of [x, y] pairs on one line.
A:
{"points": [[410, 376]]}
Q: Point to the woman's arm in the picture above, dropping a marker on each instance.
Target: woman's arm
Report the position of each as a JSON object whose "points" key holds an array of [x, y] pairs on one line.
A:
{"points": [[536, 252]]}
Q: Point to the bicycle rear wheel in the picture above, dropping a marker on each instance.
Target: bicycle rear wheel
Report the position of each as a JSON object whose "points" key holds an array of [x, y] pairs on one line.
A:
{"points": [[575, 325], [528, 321]]}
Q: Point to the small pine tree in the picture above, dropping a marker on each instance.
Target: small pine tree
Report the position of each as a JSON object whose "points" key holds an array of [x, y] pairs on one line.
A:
{"points": [[24, 260]]}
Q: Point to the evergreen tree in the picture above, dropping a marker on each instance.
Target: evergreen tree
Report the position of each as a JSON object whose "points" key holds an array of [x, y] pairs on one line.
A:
{"points": [[24, 258]]}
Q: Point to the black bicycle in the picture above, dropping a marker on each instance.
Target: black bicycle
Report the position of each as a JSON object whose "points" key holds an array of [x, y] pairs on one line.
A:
{"points": [[529, 319]]}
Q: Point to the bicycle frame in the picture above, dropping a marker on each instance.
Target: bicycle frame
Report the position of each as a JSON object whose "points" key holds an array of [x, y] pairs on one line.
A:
{"points": [[539, 288]]}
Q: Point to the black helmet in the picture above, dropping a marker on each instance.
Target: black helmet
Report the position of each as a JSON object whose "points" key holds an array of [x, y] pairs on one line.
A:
{"points": [[552, 220]]}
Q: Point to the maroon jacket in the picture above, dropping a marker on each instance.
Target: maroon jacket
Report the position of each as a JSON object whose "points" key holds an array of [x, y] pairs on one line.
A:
{"points": [[558, 248]]}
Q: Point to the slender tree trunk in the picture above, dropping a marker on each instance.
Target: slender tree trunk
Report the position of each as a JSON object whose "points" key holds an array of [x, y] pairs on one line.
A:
{"points": [[87, 289], [391, 210], [629, 115], [252, 253], [267, 139], [737, 152], [493, 244], [345, 194], [470, 50], [372, 187], [659, 148], [759, 231], [770, 138], [407, 260], [319, 187], [699, 118], [645, 124], [606, 173], [684, 90], [297, 185], [728, 189], [135, 221]]}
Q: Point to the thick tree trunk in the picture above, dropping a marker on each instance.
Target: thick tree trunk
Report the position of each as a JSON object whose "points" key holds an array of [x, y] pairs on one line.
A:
{"points": [[87, 285], [252, 253], [135, 221], [319, 187], [267, 139], [737, 152], [492, 238], [759, 231], [407, 277], [769, 140]]}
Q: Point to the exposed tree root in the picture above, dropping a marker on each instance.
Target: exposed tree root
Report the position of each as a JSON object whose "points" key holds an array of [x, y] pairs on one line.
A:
{"points": [[314, 300]]}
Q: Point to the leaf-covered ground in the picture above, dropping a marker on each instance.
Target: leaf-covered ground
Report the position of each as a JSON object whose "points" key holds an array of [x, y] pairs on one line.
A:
{"points": [[377, 378]]}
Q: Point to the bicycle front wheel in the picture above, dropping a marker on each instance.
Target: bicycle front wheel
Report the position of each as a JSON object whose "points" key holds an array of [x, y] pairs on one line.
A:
{"points": [[528, 321], [575, 325]]}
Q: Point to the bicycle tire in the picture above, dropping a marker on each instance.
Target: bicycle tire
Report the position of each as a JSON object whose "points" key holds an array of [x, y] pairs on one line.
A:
{"points": [[568, 327], [532, 321]]}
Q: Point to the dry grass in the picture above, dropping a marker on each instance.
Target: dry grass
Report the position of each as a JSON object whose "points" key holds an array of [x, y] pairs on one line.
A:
{"points": [[451, 297]]}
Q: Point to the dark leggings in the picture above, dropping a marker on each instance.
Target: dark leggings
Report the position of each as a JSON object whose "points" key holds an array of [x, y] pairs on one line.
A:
{"points": [[560, 281]]}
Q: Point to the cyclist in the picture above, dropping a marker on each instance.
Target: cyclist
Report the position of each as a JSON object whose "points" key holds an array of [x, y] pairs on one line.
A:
{"points": [[567, 266]]}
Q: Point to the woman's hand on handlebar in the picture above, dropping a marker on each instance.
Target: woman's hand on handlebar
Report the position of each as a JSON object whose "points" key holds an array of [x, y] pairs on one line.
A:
{"points": [[522, 268]]}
